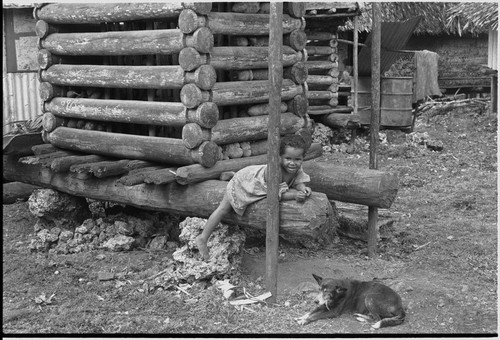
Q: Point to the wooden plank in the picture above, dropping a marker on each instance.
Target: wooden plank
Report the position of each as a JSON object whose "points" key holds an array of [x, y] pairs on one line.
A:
{"points": [[63, 164]]}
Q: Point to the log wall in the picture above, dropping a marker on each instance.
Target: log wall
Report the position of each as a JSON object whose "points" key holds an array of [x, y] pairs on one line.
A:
{"points": [[176, 74]]}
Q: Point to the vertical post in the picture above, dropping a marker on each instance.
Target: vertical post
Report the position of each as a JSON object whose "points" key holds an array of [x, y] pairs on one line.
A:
{"points": [[355, 76], [375, 120], [273, 137], [494, 94]]}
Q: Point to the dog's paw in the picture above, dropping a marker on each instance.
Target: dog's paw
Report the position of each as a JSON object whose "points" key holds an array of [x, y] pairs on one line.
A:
{"points": [[302, 320], [361, 317], [376, 325]]}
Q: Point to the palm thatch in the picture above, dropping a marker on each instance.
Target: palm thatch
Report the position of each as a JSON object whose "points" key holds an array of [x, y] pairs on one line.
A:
{"points": [[438, 17], [468, 16]]}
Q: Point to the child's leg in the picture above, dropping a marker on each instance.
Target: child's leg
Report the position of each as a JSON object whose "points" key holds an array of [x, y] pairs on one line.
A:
{"points": [[212, 222]]}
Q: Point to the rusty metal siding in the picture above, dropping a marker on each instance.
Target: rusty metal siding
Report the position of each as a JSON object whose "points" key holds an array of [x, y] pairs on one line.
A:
{"points": [[493, 49], [20, 98]]}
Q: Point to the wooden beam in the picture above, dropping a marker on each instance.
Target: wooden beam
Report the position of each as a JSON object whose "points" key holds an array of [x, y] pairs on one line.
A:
{"points": [[273, 154], [375, 121]]}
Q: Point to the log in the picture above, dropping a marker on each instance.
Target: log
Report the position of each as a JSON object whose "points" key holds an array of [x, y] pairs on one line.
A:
{"points": [[62, 164], [130, 77], [142, 42], [41, 149], [339, 120], [17, 191], [313, 35], [327, 109], [361, 186], [108, 168], [320, 50], [234, 130], [263, 109], [295, 9], [321, 95], [246, 7], [21, 144], [160, 176], [158, 149], [236, 58], [229, 23], [194, 173], [321, 80], [49, 91], [297, 72], [237, 93], [299, 105], [297, 40], [96, 13], [312, 221], [137, 176], [131, 111], [320, 65], [43, 28]]}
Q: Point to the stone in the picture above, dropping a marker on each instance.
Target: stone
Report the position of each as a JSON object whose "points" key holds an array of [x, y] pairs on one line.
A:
{"points": [[435, 145], [46, 236], [159, 242], [85, 227], [225, 245], [119, 243], [124, 228], [58, 209]]}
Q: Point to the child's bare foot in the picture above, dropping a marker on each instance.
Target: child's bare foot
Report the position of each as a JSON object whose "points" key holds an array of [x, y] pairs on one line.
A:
{"points": [[202, 247]]}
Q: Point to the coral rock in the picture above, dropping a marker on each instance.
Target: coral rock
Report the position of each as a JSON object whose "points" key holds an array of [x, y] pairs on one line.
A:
{"points": [[119, 242]]}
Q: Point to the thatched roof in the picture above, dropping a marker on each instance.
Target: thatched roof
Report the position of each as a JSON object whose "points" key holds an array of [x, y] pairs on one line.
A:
{"points": [[438, 17]]}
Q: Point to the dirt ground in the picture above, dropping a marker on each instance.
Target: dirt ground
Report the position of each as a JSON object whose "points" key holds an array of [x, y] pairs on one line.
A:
{"points": [[441, 257]]}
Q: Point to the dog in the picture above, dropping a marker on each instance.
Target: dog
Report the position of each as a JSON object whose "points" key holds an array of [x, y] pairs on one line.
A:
{"points": [[369, 301]]}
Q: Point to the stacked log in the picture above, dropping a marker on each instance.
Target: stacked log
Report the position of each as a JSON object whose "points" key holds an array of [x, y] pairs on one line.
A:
{"points": [[167, 76], [240, 58], [322, 82], [111, 82]]}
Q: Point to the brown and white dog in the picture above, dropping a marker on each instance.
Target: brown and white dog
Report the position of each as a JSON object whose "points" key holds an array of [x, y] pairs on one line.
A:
{"points": [[369, 301]]}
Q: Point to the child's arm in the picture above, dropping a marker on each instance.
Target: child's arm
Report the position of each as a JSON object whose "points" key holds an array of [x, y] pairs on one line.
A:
{"points": [[290, 194], [302, 187]]}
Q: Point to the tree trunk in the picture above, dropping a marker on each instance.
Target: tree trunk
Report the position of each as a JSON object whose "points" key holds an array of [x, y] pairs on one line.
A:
{"points": [[361, 186]]}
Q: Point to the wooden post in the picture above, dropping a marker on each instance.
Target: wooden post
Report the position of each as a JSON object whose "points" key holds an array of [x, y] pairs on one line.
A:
{"points": [[494, 93], [375, 121], [355, 76], [273, 137]]}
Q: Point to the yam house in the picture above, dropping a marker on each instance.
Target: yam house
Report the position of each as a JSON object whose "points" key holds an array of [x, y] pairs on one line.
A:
{"points": [[151, 104]]}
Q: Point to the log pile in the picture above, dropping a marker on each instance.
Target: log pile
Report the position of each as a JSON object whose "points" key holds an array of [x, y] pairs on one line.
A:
{"points": [[323, 80], [183, 83]]}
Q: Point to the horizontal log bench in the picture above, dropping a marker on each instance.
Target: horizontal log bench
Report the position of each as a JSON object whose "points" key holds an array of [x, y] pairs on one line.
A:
{"points": [[205, 115], [128, 76], [236, 58], [309, 222], [156, 149], [96, 13], [143, 42]]}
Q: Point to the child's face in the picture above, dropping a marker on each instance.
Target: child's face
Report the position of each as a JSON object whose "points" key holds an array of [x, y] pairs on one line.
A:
{"points": [[291, 160]]}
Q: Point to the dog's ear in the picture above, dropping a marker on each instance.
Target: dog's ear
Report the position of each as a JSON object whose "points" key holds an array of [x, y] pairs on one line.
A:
{"points": [[318, 279], [340, 290]]}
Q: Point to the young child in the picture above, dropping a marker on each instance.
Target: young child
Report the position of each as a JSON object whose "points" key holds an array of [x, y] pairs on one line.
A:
{"points": [[250, 185]]}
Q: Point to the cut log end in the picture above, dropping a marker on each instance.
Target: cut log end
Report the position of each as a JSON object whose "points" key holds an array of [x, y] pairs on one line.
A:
{"points": [[190, 59], [202, 8], [42, 29], [205, 77], [193, 135], [207, 154], [298, 73], [192, 96], [188, 21], [299, 105], [206, 115], [202, 40], [297, 40]]}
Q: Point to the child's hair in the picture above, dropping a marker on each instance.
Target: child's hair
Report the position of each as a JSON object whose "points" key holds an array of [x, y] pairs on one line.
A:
{"points": [[294, 141]]}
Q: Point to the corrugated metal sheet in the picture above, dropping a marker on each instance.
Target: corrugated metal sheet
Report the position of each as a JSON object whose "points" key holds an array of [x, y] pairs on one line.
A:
{"points": [[493, 49], [21, 100], [394, 36]]}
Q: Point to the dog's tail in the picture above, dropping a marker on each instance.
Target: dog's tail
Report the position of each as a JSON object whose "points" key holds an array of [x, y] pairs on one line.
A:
{"points": [[394, 321]]}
